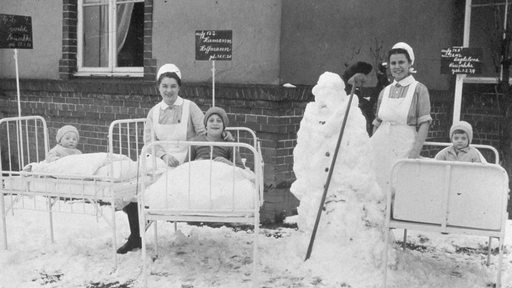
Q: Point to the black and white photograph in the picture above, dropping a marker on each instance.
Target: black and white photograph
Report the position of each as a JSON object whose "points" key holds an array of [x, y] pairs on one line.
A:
{"points": [[255, 143]]}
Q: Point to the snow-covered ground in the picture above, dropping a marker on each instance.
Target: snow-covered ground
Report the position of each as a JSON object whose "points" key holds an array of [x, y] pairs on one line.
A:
{"points": [[348, 249], [222, 257]]}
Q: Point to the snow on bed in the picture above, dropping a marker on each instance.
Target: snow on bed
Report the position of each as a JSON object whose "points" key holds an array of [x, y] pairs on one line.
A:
{"points": [[89, 164], [70, 177], [118, 166], [203, 184]]}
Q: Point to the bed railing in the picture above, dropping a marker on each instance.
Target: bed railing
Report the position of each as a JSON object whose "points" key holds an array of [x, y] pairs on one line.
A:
{"points": [[449, 197], [25, 140], [230, 210], [487, 148]]}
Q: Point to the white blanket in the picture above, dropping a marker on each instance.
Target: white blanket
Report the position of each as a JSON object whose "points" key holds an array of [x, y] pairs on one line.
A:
{"points": [[203, 185], [102, 164]]}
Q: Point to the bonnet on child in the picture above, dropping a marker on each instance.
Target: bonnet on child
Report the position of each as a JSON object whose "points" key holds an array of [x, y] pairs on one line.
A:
{"points": [[464, 126], [65, 129]]}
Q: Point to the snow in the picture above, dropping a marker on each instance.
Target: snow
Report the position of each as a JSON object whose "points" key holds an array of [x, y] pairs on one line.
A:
{"points": [[197, 256], [223, 179], [351, 226], [347, 252]]}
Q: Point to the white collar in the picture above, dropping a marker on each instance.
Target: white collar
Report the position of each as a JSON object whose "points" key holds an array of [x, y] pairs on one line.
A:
{"points": [[405, 82], [178, 102]]}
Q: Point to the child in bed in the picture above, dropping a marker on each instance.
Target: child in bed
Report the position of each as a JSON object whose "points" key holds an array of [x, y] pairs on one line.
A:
{"points": [[215, 120], [67, 139], [461, 134]]}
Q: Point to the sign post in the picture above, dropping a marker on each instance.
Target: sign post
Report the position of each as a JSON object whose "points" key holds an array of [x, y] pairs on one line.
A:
{"points": [[16, 33], [17, 81], [460, 61], [212, 45]]}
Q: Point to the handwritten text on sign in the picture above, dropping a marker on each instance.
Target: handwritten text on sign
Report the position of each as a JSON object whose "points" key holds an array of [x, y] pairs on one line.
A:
{"points": [[214, 45], [15, 31], [458, 60]]}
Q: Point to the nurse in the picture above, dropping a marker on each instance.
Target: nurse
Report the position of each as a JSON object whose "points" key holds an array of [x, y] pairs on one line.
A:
{"points": [[174, 118], [403, 115]]}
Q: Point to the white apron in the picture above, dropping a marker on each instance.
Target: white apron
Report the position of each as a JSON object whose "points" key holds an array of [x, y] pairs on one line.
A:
{"points": [[171, 132], [393, 139]]}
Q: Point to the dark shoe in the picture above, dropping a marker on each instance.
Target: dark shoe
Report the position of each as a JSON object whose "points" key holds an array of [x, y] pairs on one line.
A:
{"points": [[130, 245]]}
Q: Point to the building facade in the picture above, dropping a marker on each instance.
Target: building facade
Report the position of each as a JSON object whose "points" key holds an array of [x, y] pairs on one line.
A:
{"points": [[95, 61]]}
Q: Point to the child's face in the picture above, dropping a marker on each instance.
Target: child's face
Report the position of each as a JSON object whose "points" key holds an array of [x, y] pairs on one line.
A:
{"points": [[69, 140], [214, 125], [460, 140]]}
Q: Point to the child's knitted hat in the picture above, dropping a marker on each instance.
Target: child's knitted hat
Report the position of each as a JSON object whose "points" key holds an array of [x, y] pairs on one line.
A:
{"points": [[219, 111], [65, 129], [464, 126]]}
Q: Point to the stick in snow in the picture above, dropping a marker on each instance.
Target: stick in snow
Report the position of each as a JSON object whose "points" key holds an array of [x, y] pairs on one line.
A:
{"points": [[326, 186]]}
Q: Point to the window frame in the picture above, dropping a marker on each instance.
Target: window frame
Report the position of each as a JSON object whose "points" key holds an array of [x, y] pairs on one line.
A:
{"points": [[466, 37], [111, 70]]}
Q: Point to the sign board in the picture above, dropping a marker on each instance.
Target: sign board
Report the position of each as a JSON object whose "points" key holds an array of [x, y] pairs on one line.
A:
{"points": [[459, 60], [214, 45], [15, 31]]}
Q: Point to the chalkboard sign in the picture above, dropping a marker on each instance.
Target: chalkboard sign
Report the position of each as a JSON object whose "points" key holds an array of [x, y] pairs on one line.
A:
{"points": [[214, 45], [15, 31], [459, 60]]}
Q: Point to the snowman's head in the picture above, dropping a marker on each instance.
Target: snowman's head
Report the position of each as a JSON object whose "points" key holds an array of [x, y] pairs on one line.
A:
{"points": [[329, 91]]}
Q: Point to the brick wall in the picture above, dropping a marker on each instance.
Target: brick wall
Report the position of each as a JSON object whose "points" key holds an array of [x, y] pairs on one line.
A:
{"points": [[68, 64], [273, 112], [91, 105], [481, 107]]}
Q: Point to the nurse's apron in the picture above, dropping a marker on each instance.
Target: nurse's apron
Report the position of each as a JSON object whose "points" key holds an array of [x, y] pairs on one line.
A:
{"points": [[394, 139], [171, 132], [165, 132]]}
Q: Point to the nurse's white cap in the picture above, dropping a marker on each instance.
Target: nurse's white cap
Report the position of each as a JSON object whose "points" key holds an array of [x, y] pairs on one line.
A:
{"points": [[168, 68], [406, 47]]}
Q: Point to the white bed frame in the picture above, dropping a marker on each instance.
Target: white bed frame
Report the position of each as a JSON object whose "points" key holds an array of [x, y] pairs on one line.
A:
{"points": [[448, 197], [27, 141], [233, 215]]}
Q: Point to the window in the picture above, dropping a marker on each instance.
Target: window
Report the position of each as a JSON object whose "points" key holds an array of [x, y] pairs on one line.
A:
{"points": [[484, 27], [110, 37]]}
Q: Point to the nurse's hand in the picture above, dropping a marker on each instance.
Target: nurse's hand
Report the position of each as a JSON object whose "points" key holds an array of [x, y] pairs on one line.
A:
{"points": [[223, 160], [357, 80], [170, 160], [414, 154], [227, 136]]}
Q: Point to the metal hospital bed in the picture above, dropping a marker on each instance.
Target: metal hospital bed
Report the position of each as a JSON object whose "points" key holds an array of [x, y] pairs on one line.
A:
{"points": [[25, 140], [449, 197], [235, 204]]}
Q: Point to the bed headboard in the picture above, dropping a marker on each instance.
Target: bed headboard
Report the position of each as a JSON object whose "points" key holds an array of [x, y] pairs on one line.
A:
{"points": [[449, 194], [126, 136], [23, 140]]}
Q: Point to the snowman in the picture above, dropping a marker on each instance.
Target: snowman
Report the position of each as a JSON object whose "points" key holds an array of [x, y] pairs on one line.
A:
{"points": [[352, 221]]}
